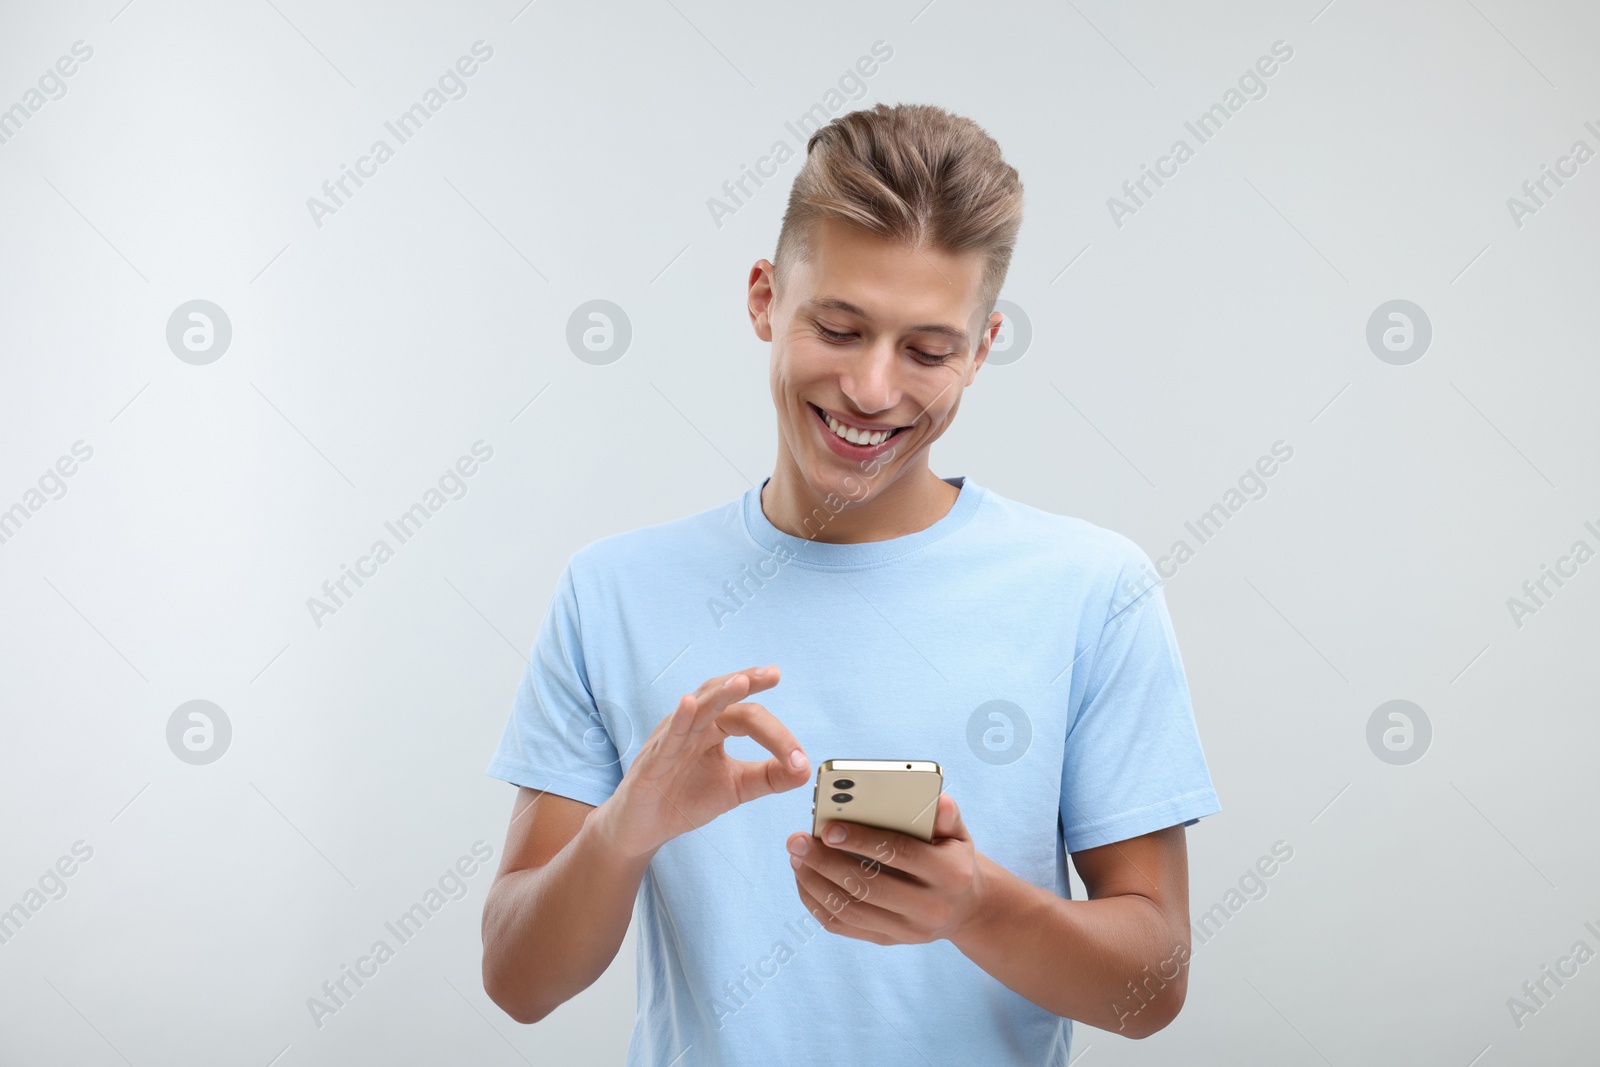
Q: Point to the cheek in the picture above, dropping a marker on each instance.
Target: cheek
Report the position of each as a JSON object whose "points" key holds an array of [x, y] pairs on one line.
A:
{"points": [[788, 367], [939, 415], [782, 378], [950, 400]]}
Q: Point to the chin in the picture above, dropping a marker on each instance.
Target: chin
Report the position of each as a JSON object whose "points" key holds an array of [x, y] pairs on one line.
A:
{"points": [[824, 475], [832, 475]]}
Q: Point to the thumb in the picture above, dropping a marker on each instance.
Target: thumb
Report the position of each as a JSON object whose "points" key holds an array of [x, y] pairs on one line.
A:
{"points": [[947, 821]]}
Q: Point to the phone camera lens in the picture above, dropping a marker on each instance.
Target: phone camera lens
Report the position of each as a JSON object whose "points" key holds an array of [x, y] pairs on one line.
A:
{"points": [[843, 783], [841, 798]]}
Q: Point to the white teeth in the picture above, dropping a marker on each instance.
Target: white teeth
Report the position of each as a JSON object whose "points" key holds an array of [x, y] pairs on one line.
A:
{"points": [[854, 436]]}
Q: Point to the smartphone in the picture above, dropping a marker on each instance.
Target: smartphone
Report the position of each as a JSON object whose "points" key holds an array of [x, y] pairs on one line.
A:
{"points": [[900, 795]]}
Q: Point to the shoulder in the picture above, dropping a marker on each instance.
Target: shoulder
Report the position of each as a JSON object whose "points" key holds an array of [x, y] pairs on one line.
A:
{"points": [[1085, 549], [647, 549]]}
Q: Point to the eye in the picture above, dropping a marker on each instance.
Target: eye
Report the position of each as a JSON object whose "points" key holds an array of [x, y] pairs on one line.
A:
{"points": [[926, 358]]}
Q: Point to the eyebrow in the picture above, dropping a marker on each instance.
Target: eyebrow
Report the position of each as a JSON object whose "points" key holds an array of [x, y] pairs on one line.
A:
{"points": [[850, 309]]}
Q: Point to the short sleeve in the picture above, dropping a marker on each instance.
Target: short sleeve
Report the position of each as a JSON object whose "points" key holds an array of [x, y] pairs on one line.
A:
{"points": [[1133, 762], [555, 738]]}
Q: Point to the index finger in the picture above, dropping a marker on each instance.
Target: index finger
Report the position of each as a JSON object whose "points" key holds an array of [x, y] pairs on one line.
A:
{"points": [[759, 778], [716, 694], [759, 678]]}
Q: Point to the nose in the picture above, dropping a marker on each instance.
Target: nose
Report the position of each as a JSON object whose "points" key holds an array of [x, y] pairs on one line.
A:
{"points": [[868, 380]]}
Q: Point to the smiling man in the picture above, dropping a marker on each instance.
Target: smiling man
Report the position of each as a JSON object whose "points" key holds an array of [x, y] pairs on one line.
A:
{"points": [[907, 616]]}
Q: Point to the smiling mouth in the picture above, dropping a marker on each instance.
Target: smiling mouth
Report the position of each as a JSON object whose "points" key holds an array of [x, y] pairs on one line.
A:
{"points": [[851, 435]]}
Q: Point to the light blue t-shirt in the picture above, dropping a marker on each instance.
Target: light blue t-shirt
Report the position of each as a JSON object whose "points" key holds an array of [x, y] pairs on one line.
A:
{"points": [[1025, 652]]}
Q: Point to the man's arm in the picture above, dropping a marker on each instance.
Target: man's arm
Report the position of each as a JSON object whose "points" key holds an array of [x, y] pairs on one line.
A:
{"points": [[559, 906], [1118, 960], [560, 903]]}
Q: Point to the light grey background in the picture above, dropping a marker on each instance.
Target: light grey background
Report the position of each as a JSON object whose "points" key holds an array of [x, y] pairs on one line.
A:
{"points": [[430, 312]]}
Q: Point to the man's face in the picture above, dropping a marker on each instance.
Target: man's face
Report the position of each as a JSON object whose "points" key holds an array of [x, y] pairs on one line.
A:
{"points": [[878, 336]]}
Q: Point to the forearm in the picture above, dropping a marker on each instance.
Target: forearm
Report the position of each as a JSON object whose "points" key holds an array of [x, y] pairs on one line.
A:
{"points": [[1114, 963], [550, 931]]}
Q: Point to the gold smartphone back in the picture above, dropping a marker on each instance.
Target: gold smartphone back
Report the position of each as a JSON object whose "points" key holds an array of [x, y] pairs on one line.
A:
{"points": [[900, 795]]}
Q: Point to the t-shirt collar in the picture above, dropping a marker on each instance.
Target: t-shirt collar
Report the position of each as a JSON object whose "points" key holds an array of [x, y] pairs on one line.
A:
{"points": [[861, 554]]}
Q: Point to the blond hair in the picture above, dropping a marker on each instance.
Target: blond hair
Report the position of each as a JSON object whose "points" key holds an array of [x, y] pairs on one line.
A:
{"points": [[912, 173]]}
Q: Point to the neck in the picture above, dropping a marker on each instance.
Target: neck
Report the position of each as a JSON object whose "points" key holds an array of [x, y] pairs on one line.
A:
{"points": [[915, 500]]}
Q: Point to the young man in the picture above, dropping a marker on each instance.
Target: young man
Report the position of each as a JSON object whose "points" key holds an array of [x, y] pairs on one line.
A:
{"points": [[899, 616]]}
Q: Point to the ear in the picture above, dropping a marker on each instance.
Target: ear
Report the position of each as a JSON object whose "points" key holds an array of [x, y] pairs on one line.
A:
{"points": [[760, 298], [990, 332]]}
